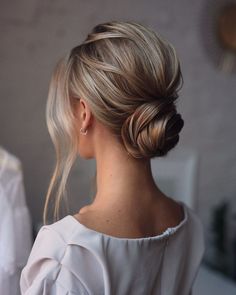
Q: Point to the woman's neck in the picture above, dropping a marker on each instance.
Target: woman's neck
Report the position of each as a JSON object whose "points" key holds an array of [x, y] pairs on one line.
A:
{"points": [[123, 180]]}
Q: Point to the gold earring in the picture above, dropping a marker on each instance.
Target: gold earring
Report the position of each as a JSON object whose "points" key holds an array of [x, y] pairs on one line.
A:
{"points": [[83, 132]]}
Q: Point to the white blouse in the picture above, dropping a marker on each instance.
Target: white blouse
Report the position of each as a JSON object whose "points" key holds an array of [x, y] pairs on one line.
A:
{"points": [[70, 258]]}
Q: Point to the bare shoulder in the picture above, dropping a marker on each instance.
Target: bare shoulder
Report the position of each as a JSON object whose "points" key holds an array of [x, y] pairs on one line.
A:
{"points": [[169, 213], [83, 209], [155, 219]]}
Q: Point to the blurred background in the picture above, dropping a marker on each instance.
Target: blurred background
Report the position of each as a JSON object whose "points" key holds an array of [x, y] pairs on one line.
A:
{"points": [[201, 170]]}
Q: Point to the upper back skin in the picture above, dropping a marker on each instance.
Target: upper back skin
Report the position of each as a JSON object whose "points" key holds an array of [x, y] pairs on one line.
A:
{"points": [[164, 212]]}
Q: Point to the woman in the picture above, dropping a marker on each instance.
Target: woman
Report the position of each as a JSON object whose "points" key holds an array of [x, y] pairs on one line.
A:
{"points": [[113, 99]]}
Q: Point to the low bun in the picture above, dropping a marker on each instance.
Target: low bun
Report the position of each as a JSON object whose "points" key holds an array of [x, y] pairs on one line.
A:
{"points": [[152, 130]]}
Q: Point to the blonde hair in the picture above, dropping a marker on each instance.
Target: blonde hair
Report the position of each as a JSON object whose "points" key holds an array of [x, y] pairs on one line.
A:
{"points": [[130, 77]]}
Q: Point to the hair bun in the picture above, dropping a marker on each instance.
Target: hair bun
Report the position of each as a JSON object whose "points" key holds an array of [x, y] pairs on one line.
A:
{"points": [[153, 129]]}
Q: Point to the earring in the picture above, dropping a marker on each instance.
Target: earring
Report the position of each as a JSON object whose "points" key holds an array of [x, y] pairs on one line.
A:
{"points": [[83, 132]]}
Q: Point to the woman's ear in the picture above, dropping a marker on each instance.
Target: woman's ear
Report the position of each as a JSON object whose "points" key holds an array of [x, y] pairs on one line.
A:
{"points": [[83, 113]]}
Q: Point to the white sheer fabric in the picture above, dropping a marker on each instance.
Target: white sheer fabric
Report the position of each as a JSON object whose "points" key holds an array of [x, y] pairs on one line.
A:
{"points": [[15, 224], [69, 258]]}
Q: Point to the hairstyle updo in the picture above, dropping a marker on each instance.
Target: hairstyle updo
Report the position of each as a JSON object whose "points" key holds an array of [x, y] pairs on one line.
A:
{"points": [[152, 130], [130, 76]]}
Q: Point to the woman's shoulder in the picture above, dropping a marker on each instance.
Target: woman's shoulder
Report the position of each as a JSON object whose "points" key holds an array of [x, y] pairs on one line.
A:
{"points": [[191, 225], [195, 231], [45, 264], [52, 239], [194, 221]]}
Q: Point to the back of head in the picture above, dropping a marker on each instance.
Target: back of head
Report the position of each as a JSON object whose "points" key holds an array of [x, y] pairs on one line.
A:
{"points": [[130, 77]]}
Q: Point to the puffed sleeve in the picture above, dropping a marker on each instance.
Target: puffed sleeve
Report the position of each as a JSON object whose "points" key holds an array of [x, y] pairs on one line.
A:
{"points": [[43, 273]]}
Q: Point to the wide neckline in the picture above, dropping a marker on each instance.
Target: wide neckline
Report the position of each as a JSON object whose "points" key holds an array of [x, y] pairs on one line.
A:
{"points": [[169, 231]]}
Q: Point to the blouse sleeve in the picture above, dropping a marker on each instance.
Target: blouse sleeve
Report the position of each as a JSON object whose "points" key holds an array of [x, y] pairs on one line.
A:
{"points": [[41, 275]]}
